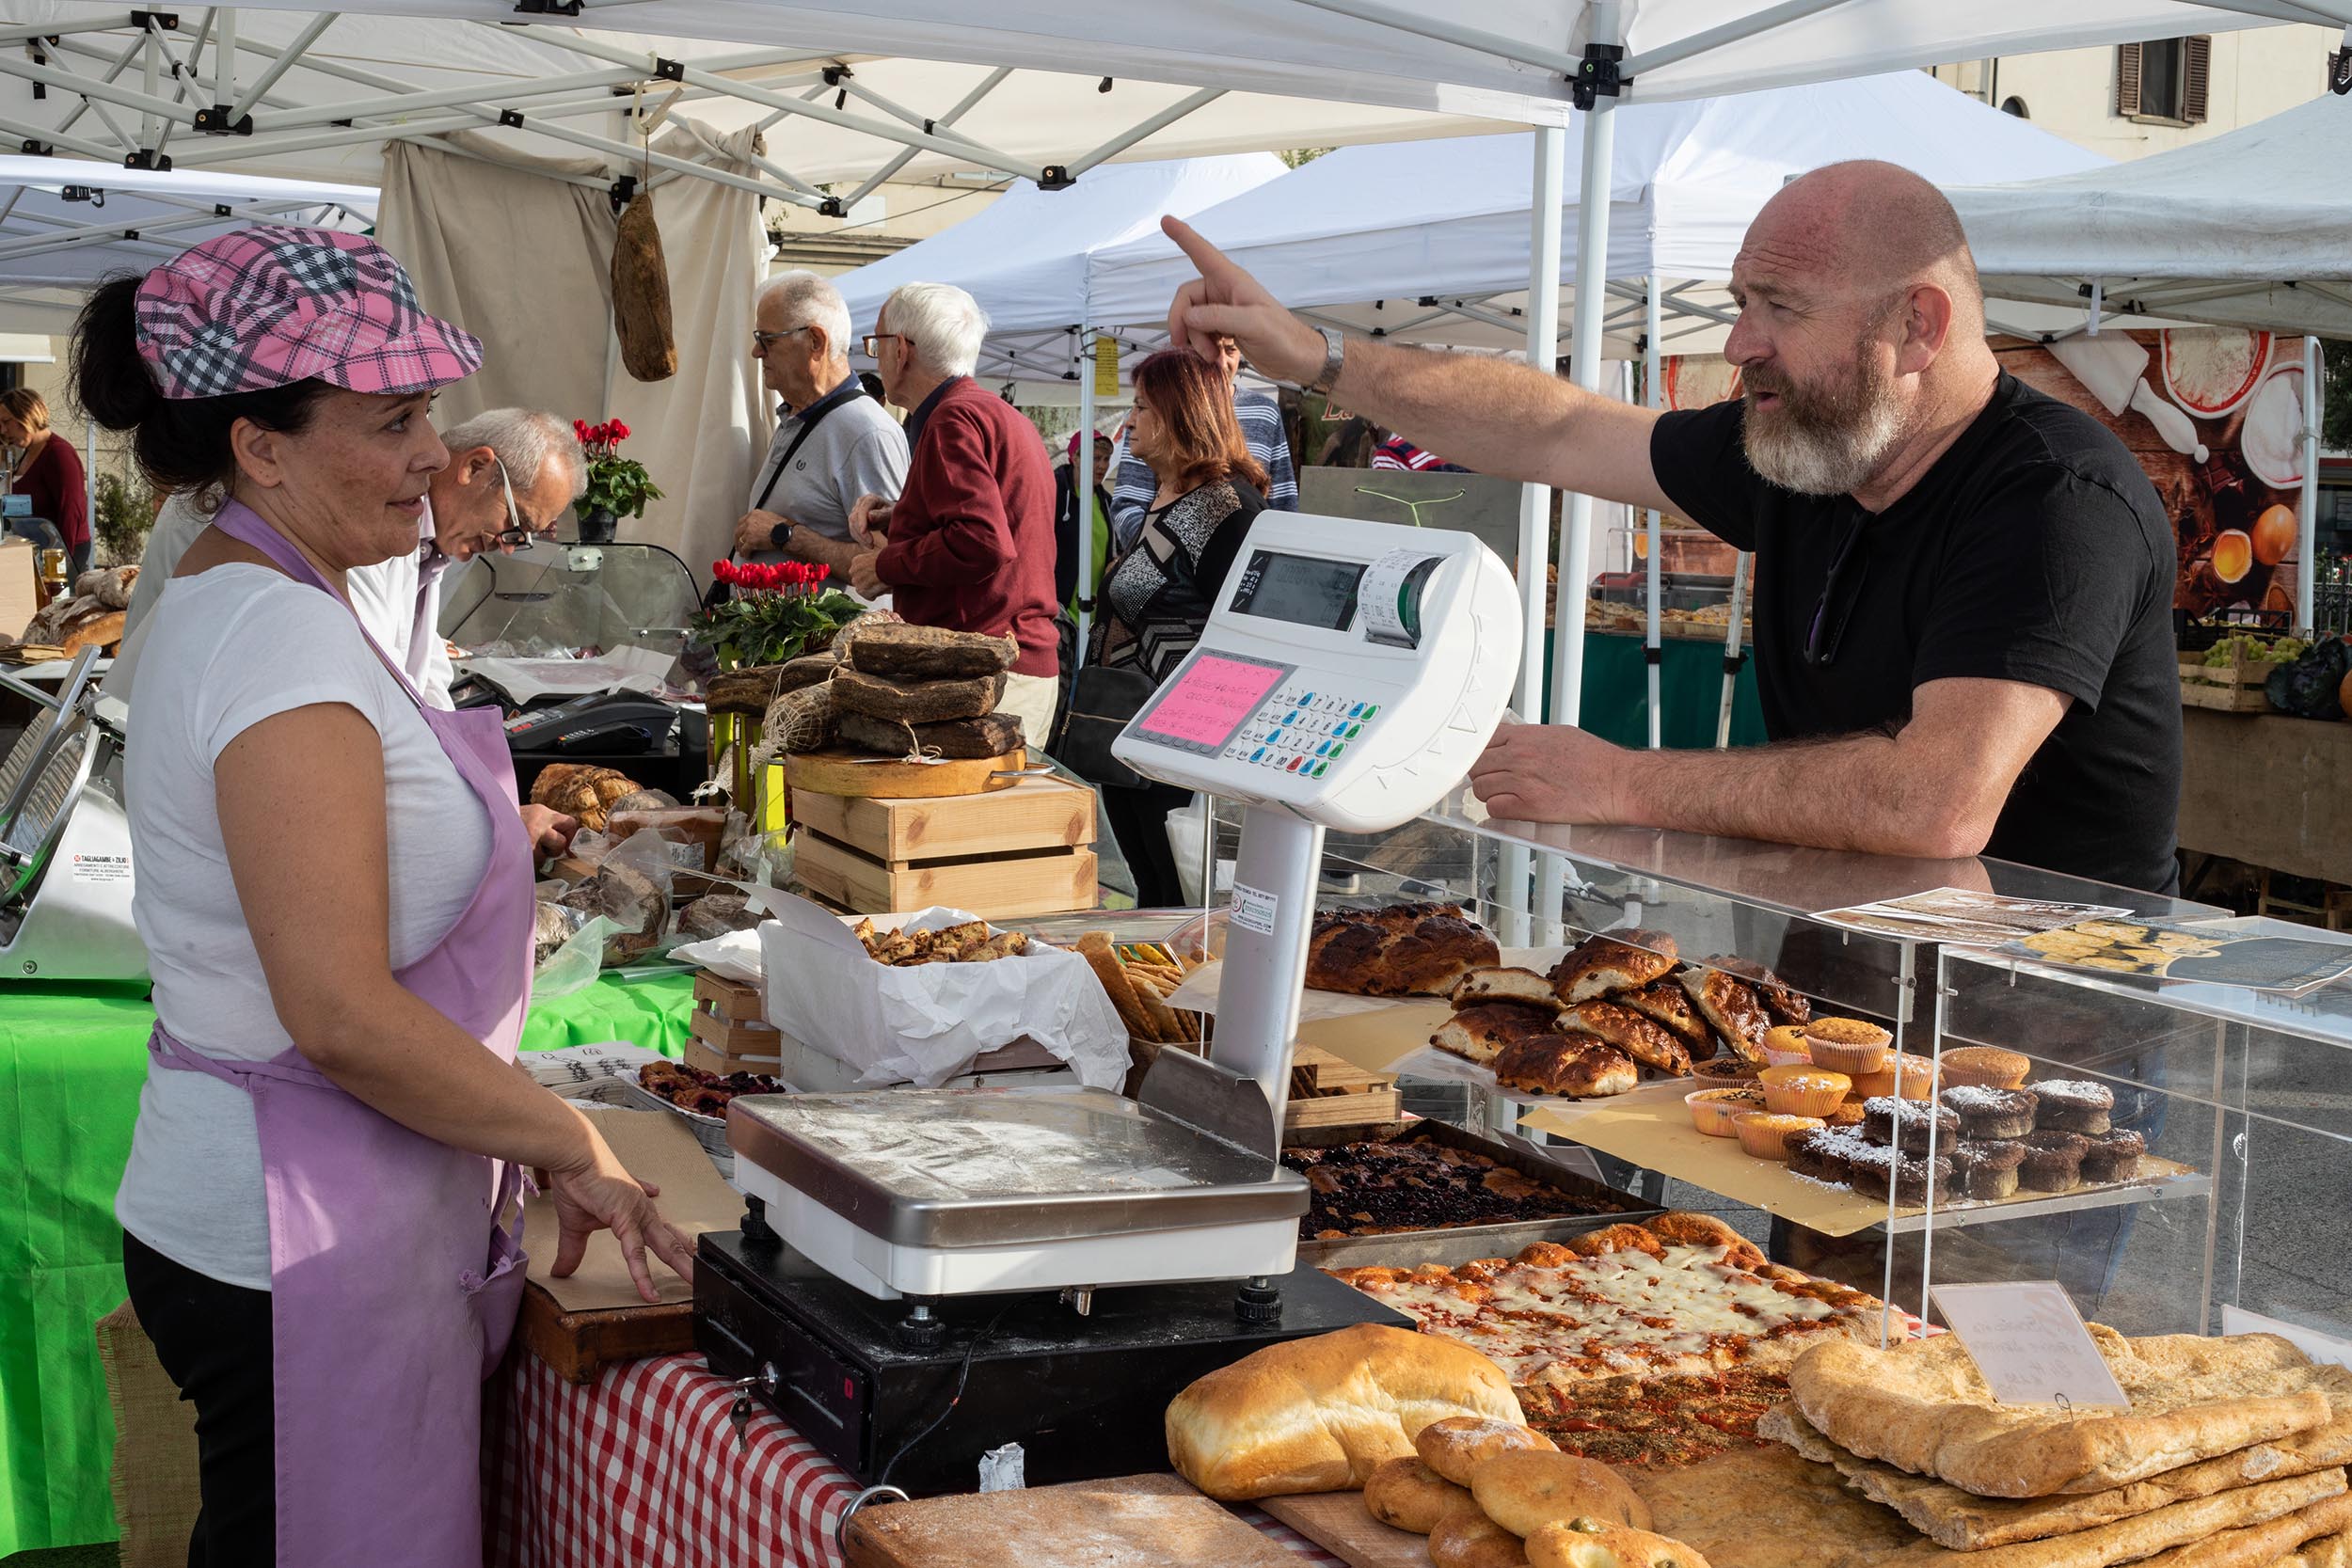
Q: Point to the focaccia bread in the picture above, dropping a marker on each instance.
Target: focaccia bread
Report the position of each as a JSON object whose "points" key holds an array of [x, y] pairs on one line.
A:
{"points": [[1321, 1415], [1621, 960], [1404, 950], [1921, 1406], [915, 703], [1589, 1543], [1529, 1489], [897, 651], [1965, 1522]]}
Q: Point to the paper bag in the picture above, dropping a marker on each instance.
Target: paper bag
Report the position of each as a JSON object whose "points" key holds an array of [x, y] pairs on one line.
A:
{"points": [[659, 1148]]}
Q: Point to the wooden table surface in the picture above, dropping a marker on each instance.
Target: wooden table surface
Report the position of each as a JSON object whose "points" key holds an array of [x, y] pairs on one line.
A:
{"points": [[2268, 790]]}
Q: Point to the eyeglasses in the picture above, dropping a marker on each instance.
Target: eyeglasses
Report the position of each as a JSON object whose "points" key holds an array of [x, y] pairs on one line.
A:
{"points": [[873, 337], [763, 341], [518, 534], [1828, 625]]}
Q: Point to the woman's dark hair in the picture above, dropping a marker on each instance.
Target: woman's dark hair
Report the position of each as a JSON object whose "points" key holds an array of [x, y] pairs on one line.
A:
{"points": [[1196, 408], [180, 443]]}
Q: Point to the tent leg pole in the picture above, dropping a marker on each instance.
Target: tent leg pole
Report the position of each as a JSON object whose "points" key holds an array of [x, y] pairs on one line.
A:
{"points": [[1731, 652], [1543, 347], [1082, 484], [2306, 547], [1653, 394]]}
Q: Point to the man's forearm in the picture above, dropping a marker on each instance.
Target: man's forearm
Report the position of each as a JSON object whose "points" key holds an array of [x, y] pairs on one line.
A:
{"points": [[1849, 793], [807, 544], [1488, 415]]}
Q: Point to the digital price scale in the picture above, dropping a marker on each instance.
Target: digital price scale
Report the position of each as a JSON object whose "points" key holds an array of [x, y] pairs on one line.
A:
{"points": [[1349, 677]]}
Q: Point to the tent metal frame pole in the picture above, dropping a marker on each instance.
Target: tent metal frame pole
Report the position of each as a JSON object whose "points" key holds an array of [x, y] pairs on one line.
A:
{"points": [[72, 238], [1733, 658], [1753, 25], [1654, 396], [286, 60], [1465, 38], [116, 66], [1542, 327], [154, 105], [224, 56], [151, 67], [28, 31], [898, 111], [1149, 126], [1584, 362], [59, 140], [963, 105], [1082, 484], [471, 97], [2307, 523]]}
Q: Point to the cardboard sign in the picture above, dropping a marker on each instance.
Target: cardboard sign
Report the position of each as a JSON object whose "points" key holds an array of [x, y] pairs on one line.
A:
{"points": [[2029, 1345], [1106, 367]]}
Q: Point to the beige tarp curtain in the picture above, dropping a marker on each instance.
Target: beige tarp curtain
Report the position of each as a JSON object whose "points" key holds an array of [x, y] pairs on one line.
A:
{"points": [[516, 254]]}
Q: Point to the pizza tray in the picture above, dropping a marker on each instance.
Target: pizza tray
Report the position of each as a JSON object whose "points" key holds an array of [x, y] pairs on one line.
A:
{"points": [[1651, 1127], [1457, 1244]]}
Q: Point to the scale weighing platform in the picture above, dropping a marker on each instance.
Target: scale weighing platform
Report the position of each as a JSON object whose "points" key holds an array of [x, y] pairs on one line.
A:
{"points": [[941, 1272]]}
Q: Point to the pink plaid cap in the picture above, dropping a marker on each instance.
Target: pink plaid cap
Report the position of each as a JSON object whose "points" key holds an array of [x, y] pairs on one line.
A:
{"points": [[272, 305]]}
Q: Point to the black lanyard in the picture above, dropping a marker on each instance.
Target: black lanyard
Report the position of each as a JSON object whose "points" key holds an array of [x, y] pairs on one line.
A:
{"points": [[810, 420]]}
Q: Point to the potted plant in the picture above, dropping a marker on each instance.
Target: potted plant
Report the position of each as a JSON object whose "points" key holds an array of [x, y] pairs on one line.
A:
{"points": [[779, 610], [617, 486]]}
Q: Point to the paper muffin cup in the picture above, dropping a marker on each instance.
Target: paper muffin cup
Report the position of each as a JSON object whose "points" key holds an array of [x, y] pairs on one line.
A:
{"points": [[1804, 1091], [1764, 1134], [1784, 1046], [1712, 1110], [1852, 1057]]}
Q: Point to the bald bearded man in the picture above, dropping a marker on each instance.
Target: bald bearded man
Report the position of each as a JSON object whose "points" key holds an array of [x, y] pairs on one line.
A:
{"points": [[1963, 596]]}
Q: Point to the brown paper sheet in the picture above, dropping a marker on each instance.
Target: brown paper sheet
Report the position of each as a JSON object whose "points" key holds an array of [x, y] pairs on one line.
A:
{"points": [[659, 1148]]}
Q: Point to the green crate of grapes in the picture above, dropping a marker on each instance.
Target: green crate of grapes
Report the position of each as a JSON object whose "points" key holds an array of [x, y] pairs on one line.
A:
{"points": [[2228, 676]]}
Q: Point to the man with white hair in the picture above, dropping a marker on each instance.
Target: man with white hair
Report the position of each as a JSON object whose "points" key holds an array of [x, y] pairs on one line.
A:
{"points": [[833, 443], [970, 539], [1963, 628]]}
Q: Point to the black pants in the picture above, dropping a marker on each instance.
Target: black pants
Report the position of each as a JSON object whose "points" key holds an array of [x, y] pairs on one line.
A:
{"points": [[1139, 822], [214, 1340]]}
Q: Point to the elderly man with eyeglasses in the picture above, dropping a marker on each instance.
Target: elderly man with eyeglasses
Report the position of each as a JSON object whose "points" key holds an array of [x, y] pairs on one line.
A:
{"points": [[510, 475], [833, 443]]}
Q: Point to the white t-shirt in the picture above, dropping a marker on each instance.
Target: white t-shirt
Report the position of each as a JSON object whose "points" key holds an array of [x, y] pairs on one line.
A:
{"points": [[385, 596], [227, 649]]}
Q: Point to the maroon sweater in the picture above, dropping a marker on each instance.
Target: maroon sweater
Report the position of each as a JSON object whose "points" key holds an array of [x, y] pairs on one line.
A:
{"points": [[59, 485], [971, 532]]}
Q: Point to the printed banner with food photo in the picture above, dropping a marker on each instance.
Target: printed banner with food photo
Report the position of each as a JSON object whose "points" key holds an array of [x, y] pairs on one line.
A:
{"points": [[2247, 953], [2215, 415]]}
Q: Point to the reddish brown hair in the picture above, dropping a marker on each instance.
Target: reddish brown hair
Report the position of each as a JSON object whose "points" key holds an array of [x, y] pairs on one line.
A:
{"points": [[1196, 408]]}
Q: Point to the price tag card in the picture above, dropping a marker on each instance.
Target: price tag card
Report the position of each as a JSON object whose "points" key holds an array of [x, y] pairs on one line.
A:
{"points": [[2029, 1345]]}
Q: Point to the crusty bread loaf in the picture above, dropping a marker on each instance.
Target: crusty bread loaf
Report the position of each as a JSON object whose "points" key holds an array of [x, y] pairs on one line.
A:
{"points": [[1525, 1489], [1404, 950], [1731, 1007], [1408, 1495], [1320, 1415], [1470, 1540], [1586, 1543], [1481, 1032], [1457, 1446], [992, 734], [1621, 960], [1521, 987], [915, 703], [1581, 1067], [1670, 1006], [897, 651], [1635, 1034]]}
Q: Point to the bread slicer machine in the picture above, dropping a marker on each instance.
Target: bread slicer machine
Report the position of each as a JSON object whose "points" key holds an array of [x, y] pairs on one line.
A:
{"points": [[1350, 676], [65, 843]]}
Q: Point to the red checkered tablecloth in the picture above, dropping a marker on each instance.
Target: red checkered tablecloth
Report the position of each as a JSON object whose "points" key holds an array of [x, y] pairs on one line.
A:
{"points": [[639, 1469]]}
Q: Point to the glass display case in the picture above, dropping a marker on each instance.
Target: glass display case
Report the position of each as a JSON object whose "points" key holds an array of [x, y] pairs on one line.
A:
{"points": [[2237, 1217], [556, 600]]}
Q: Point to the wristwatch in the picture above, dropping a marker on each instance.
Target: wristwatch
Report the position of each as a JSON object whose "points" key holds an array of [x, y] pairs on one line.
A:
{"points": [[781, 535], [1334, 349]]}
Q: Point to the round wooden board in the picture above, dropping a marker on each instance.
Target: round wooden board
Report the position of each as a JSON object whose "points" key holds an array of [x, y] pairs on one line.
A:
{"points": [[847, 774]]}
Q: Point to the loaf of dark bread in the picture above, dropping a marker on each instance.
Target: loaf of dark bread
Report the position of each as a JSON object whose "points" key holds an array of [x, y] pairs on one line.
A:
{"points": [[898, 651], [992, 734], [927, 702], [1404, 950]]}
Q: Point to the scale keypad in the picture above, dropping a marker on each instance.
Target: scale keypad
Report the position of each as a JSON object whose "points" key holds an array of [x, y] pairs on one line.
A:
{"points": [[1301, 731]]}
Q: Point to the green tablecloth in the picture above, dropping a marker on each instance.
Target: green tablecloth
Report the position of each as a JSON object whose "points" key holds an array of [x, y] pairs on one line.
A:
{"points": [[71, 1061], [1615, 701]]}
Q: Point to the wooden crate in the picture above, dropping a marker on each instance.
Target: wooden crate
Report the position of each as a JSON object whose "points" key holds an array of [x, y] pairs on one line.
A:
{"points": [[1024, 850], [2235, 687], [1328, 1092], [727, 1032]]}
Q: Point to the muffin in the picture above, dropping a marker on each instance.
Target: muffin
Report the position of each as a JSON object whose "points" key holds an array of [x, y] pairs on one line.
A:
{"points": [[2054, 1160], [1711, 1110], [1991, 1112], [1784, 1046], [1764, 1134], [2114, 1156], [1846, 1045], [1825, 1155], [1907, 1124], [2070, 1106], [1987, 1170], [1984, 1066], [1918, 1078], [1725, 1072], [1804, 1091], [1848, 1114], [1873, 1171]]}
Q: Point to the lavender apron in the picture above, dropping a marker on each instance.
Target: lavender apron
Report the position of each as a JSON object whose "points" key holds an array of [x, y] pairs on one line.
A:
{"points": [[394, 1275]]}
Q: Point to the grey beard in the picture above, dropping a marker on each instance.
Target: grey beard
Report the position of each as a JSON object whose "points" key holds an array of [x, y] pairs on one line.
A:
{"points": [[1825, 462]]}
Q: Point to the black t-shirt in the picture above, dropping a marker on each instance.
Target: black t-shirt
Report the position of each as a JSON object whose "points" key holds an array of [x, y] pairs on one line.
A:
{"points": [[2034, 550]]}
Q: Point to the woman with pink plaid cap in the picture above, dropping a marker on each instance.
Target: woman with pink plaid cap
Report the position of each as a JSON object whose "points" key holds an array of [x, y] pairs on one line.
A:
{"points": [[319, 1214]]}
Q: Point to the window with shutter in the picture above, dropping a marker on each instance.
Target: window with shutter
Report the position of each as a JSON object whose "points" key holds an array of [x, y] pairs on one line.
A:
{"points": [[2195, 76], [2127, 78]]}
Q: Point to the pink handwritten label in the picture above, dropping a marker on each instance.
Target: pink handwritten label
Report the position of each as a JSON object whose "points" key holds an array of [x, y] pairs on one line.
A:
{"points": [[1211, 700]]}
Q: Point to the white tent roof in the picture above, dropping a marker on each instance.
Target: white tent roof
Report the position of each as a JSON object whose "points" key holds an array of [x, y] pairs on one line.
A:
{"points": [[2253, 228], [1023, 257], [1367, 232]]}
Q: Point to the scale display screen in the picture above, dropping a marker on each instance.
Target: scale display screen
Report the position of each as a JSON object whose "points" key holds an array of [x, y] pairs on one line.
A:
{"points": [[1300, 588], [1209, 700]]}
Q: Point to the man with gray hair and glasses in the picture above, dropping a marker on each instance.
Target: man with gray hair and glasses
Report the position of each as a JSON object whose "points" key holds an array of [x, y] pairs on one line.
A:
{"points": [[511, 473], [833, 443]]}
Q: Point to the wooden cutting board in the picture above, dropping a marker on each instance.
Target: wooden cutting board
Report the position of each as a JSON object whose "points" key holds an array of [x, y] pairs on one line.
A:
{"points": [[1336, 1521], [851, 774], [1125, 1522], [578, 1345]]}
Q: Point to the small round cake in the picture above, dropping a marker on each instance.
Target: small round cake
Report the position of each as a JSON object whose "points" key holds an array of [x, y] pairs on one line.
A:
{"points": [[2072, 1105], [2114, 1156], [2054, 1160], [1917, 1077], [1991, 1112], [1764, 1134], [1825, 1154], [1985, 1066], [1726, 1073], [1804, 1091], [1784, 1046], [1846, 1045], [1877, 1172], [1987, 1169], [1906, 1124]]}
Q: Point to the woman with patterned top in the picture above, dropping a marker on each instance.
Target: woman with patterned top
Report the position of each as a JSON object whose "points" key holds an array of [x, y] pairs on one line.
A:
{"points": [[1157, 596]]}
